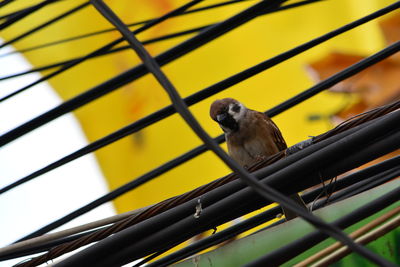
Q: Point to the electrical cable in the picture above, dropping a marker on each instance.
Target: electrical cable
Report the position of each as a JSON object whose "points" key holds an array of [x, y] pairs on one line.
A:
{"points": [[47, 23], [13, 18], [5, 2], [366, 185], [104, 53]]}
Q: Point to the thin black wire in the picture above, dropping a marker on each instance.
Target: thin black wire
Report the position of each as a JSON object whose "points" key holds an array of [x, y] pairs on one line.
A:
{"points": [[13, 14], [103, 53], [363, 186], [13, 18], [262, 189], [43, 25], [7, 15], [155, 172], [149, 258], [109, 52], [202, 94], [74, 38], [139, 71], [5, 2], [43, 247]]}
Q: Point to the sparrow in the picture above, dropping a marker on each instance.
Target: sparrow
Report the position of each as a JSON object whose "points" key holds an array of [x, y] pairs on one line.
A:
{"points": [[251, 136]]}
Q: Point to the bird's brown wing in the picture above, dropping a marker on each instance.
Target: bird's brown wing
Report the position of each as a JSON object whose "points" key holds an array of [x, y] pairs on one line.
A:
{"points": [[276, 133]]}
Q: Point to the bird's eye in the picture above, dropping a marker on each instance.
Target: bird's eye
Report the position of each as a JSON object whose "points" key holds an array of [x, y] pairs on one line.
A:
{"points": [[236, 108]]}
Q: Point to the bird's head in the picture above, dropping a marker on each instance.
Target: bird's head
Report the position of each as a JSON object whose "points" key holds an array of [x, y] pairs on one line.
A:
{"points": [[227, 112]]}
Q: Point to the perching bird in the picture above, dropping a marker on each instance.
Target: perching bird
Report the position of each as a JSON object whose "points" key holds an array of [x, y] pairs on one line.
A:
{"points": [[250, 135]]}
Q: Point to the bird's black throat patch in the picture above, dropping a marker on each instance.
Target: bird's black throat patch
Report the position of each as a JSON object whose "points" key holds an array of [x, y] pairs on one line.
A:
{"points": [[230, 123]]}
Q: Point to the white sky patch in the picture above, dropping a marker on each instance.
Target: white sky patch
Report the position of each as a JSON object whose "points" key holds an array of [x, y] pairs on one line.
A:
{"points": [[53, 195]]}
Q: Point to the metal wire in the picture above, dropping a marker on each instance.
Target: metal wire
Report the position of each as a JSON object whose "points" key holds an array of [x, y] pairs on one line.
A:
{"points": [[15, 17], [104, 53], [38, 28], [5, 2], [366, 185]]}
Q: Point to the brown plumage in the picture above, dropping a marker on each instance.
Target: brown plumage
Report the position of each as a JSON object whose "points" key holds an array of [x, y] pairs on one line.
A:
{"points": [[250, 135]]}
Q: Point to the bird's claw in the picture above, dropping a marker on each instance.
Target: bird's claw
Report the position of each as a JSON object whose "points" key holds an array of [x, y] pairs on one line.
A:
{"points": [[260, 158]]}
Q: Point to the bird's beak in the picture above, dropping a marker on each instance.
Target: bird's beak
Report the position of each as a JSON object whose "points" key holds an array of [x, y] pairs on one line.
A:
{"points": [[221, 117]]}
